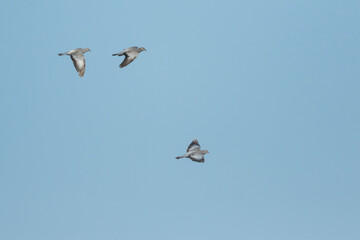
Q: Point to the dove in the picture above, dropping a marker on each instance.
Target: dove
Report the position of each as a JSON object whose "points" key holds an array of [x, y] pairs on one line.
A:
{"points": [[194, 153], [77, 56], [130, 55]]}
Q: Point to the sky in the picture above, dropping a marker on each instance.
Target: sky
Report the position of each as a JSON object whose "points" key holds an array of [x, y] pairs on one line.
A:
{"points": [[270, 88]]}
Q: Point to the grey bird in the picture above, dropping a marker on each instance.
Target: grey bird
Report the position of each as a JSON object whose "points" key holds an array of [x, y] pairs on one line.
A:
{"points": [[130, 55], [194, 153], [77, 56]]}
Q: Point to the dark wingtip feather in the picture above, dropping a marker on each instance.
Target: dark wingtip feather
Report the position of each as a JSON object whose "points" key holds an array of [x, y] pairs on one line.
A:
{"points": [[82, 72]]}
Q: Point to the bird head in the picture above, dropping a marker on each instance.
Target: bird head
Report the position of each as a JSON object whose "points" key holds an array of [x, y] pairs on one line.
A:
{"points": [[87, 50], [142, 49], [205, 152]]}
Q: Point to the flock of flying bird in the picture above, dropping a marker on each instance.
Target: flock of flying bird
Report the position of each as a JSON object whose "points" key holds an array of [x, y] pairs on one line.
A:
{"points": [[77, 56]]}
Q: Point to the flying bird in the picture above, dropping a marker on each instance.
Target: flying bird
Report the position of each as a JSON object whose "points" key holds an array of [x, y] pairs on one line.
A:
{"points": [[194, 153], [77, 56], [130, 55]]}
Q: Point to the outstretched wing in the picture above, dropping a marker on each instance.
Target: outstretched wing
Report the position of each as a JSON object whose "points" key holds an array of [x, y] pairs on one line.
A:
{"points": [[194, 145], [127, 61], [130, 49], [79, 63], [126, 51]]}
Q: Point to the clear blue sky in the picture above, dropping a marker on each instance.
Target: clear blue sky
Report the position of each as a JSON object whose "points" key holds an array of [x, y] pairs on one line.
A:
{"points": [[270, 88]]}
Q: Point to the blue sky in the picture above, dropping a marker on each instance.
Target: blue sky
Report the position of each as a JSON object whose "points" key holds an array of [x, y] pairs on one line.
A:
{"points": [[270, 88]]}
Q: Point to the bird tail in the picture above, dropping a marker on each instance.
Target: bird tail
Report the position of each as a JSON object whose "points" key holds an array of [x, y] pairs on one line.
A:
{"points": [[118, 54], [60, 54], [180, 157]]}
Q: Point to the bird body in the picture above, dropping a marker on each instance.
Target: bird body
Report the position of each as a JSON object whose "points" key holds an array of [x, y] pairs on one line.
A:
{"points": [[130, 54], [77, 56], [194, 152]]}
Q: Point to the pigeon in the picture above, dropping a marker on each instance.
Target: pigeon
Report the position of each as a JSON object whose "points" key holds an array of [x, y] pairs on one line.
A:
{"points": [[77, 56], [130, 55], [194, 152]]}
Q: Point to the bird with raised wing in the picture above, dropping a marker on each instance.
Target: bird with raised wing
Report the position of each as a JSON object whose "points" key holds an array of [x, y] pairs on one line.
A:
{"points": [[130, 55], [77, 56], [194, 152]]}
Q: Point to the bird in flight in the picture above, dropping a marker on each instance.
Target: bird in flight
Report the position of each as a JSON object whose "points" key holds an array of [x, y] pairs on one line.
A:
{"points": [[130, 55], [194, 153], [77, 56]]}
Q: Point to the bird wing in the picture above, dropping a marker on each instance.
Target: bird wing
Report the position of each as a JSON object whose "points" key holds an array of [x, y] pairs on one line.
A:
{"points": [[79, 63], [197, 157], [194, 145], [126, 51], [128, 59], [130, 49]]}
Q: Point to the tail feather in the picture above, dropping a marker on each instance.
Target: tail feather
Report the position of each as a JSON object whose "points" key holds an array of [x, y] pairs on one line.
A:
{"points": [[118, 54], [179, 157], [60, 54]]}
